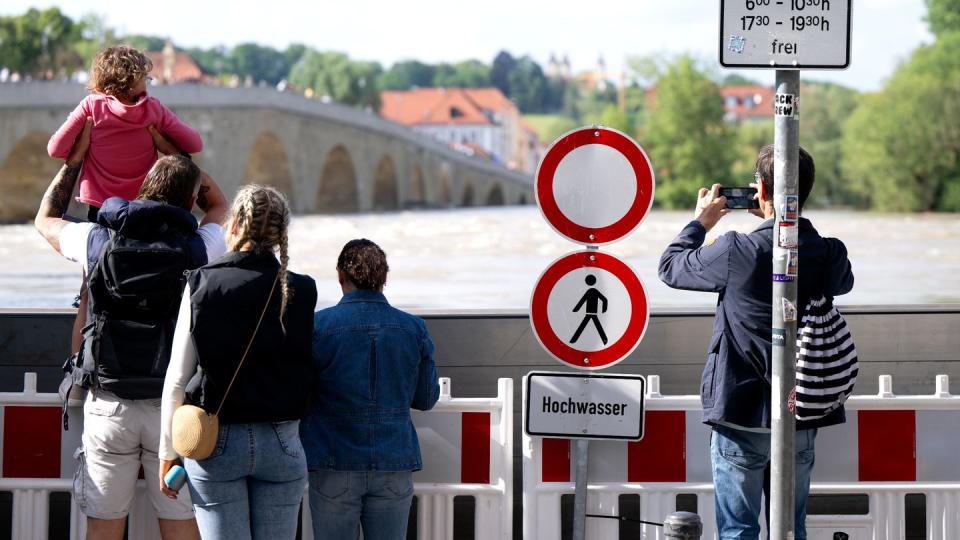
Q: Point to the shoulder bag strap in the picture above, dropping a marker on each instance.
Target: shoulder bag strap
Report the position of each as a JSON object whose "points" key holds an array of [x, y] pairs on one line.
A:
{"points": [[244, 357]]}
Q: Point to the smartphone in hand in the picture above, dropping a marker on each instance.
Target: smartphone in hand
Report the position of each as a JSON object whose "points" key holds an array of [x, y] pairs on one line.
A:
{"points": [[175, 477], [740, 198]]}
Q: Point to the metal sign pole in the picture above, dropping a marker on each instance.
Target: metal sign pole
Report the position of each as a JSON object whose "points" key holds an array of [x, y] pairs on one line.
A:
{"points": [[783, 424], [582, 452]]}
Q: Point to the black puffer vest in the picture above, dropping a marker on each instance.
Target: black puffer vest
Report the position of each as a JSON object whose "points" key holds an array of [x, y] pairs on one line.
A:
{"points": [[227, 298]]}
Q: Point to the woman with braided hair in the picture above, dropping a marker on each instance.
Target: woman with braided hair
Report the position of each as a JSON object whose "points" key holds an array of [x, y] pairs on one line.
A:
{"points": [[242, 347]]}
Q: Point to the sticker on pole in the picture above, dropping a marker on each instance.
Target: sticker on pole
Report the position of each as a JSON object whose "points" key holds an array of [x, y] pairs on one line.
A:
{"points": [[589, 310], [594, 185]]}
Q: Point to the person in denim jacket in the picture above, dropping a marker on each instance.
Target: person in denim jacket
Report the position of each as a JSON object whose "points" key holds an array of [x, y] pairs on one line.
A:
{"points": [[374, 362]]}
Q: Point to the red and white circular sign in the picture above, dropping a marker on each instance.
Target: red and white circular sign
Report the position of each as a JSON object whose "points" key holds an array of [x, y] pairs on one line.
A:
{"points": [[589, 310], [594, 185]]}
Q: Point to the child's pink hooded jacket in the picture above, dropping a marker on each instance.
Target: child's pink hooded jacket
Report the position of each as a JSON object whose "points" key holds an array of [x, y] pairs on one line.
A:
{"points": [[121, 149]]}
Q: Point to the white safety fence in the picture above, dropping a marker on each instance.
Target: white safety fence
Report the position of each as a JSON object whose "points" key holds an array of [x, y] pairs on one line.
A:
{"points": [[890, 448], [466, 445]]}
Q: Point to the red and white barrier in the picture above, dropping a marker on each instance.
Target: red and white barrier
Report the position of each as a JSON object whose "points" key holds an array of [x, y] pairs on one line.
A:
{"points": [[466, 445], [889, 447]]}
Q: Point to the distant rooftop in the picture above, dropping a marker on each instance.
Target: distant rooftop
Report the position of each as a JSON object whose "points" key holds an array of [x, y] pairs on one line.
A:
{"points": [[460, 106]]}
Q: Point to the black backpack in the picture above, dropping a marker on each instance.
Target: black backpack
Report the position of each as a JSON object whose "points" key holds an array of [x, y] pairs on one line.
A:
{"points": [[135, 290]]}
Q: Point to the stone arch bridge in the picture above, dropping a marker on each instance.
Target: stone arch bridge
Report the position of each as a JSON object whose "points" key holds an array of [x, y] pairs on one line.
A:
{"points": [[327, 158]]}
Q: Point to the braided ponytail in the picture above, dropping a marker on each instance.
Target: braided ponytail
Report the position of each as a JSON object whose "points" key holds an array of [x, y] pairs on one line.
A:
{"points": [[262, 215]]}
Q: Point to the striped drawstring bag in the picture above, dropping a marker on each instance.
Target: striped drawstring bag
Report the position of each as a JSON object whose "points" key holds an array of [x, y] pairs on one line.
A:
{"points": [[826, 360]]}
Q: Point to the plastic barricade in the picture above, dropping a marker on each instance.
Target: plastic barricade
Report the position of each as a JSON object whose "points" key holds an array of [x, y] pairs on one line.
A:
{"points": [[893, 461], [466, 445]]}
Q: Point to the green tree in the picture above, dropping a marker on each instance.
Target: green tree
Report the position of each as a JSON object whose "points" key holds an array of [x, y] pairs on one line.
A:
{"points": [[824, 108], [292, 54], [39, 43], [749, 138], [613, 117], [407, 74], [258, 62], [943, 16], [466, 74], [901, 147], [500, 71], [95, 36], [214, 61], [334, 74], [144, 42], [528, 85], [687, 137], [736, 79]]}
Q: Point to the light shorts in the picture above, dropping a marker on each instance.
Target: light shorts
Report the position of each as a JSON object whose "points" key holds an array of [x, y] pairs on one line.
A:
{"points": [[120, 435]]}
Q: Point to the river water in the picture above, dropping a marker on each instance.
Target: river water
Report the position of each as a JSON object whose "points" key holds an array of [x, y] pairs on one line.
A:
{"points": [[490, 258]]}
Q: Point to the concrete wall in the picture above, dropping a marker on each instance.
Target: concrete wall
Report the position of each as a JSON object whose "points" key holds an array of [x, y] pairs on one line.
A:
{"points": [[474, 349], [269, 137]]}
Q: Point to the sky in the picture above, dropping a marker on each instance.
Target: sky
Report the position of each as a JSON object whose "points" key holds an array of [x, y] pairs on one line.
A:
{"points": [[884, 31]]}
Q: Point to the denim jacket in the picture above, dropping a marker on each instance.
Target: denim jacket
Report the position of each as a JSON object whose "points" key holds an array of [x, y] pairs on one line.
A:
{"points": [[374, 362]]}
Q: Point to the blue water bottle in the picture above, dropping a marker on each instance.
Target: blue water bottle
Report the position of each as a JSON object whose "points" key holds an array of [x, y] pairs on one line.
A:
{"points": [[175, 478]]}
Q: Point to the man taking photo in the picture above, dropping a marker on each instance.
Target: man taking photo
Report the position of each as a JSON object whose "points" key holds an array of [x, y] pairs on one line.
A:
{"points": [[735, 384]]}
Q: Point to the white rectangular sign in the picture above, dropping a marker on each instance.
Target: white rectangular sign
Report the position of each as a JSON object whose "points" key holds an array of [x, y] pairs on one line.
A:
{"points": [[785, 34], [584, 406]]}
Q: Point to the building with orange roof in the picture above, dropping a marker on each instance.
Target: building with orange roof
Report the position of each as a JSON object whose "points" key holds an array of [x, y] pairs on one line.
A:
{"points": [[174, 67], [751, 103], [747, 103], [466, 118]]}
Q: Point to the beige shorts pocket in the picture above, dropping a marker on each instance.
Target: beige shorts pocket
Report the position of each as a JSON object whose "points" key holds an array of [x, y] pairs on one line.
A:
{"points": [[80, 479]]}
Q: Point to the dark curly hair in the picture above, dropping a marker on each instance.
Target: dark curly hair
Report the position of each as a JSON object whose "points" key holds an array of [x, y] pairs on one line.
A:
{"points": [[364, 264], [117, 70]]}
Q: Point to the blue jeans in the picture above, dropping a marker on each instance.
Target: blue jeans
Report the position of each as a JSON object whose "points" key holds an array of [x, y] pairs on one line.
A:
{"points": [[252, 484], [739, 460], [341, 502]]}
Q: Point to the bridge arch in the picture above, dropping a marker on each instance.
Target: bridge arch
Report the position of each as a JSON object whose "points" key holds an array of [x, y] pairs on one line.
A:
{"points": [[417, 192], [337, 192], [495, 196], [443, 197], [467, 197], [385, 196], [25, 174], [268, 164]]}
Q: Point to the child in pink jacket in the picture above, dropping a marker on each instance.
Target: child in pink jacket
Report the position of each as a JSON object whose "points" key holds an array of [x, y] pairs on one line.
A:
{"points": [[121, 149]]}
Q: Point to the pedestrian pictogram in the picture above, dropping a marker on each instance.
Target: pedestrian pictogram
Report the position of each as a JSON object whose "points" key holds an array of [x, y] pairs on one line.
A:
{"points": [[594, 185], [589, 310], [590, 301]]}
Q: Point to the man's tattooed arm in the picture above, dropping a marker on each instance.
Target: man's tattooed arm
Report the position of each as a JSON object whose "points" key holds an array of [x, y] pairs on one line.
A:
{"points": [[49, 221], [57, 198]]}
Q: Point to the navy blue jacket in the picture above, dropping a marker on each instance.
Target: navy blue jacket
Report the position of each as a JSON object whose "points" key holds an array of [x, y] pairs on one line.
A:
{"points": [[374, 362], [735, 385]]}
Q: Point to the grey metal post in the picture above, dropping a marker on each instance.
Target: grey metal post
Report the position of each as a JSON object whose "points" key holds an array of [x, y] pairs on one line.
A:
{"points": [[682, 525], [783, 425], [581, 457]]}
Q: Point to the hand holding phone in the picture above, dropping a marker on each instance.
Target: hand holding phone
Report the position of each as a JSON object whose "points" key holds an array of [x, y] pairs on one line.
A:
{"points": [[175, 477], [740, 198]]}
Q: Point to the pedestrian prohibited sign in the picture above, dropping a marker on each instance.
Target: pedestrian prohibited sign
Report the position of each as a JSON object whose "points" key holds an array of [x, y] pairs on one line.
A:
{"points": [[589, 310], [594, 185]]}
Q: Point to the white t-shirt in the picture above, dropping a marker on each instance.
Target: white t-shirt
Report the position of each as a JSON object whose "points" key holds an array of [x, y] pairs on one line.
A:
{"points": [[73, 241]]}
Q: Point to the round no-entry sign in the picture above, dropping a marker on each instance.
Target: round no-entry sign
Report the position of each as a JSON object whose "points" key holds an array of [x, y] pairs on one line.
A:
{"points": [[589, 310], [594, 185]]}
